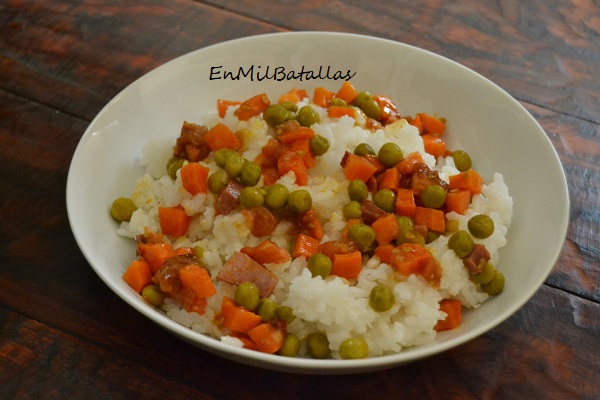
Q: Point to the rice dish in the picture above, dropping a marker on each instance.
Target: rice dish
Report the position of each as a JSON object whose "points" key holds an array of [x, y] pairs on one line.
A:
{"points": [[335, 306]]}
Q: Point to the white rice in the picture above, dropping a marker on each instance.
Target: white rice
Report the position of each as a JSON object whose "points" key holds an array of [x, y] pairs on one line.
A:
{"points": [[333, 305]]}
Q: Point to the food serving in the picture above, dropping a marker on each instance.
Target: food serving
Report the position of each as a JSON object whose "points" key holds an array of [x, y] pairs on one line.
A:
{"points": [[326, 225]]}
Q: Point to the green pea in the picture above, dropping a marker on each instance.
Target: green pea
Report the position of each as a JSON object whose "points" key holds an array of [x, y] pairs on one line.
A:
{"points": [[307, 116], [276, 196], [390, 154], [299, 201], [317, 345], [452, 225], [153, 295], [462, 160], [431, 236], [250, 174], [290, 106], [251, 197], [352, 210], [247, 295], [461, 243], [338, 102], [363, 235], [319, 265], [290, 346], [354, 348], [266, 309], [173, 165], [485, 276], [385, 199], [357, 190], [198, 252], [495, 286], [122, 209], [275, 115], [381, 298], [372, 109], [234, 164], [364, 149], [220, 156], [319, 145], [286, 313], [361, 99], [408, 233], [481, 226], [433, 196], [217, 181]]}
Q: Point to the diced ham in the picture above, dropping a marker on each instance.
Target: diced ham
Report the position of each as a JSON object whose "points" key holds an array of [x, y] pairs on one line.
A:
{"points": [[370, 212], [473, 260], [260, 220], [424, 177], [191, 144], [241, 268], [229, 197]]}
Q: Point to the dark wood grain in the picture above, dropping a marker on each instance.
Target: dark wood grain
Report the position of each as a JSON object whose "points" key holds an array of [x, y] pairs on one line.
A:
{"points": [[77, 55], [64, 334]]}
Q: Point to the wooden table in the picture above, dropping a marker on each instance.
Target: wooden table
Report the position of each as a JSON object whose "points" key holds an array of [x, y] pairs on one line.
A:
{"points": [[64, 334]]}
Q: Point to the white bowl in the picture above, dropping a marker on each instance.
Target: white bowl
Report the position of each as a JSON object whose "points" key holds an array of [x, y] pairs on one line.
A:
{"points": [[500, 135]]}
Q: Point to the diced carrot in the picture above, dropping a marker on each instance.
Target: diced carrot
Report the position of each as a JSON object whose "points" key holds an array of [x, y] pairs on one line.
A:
{"points": [[294, 96], [458, 201], [294, 133], [410, 258], [155, 254], [291, 161], [183, 251], [268, 337], [332, 247], [267, 252], [221, 137], [405, 202], [194, 178], [386, 228], [347, 92], [245, 339], [305, 245], [373, 159], [347, 265], [322, 96], [310, 221], [467, 180], [302, 147], [341, 111], [434, 145], [270, 175], [223, 105], [387, 106], [417, 123], [252, 107], [357, 167], [431, 124], [432, 218], [138, 275], [389, 179], [410, 163], [236, 318], [453, 310], [198, 279], [173, 220], [384, 252]]}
